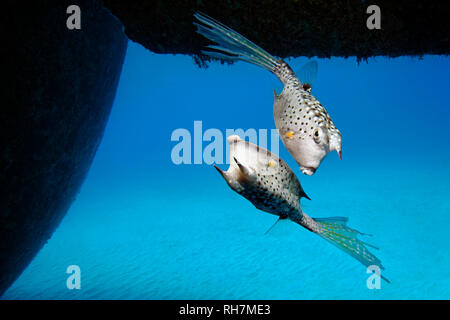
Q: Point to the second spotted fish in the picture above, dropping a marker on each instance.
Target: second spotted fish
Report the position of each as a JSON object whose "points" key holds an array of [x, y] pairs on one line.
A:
{"points": [[305, 127], [270, 185]]}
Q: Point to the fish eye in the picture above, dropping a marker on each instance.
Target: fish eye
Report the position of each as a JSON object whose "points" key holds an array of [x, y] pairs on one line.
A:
{"points": [[316, 135]]}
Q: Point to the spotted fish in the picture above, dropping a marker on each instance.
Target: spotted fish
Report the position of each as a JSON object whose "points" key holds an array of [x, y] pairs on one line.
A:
{"points": [[270, 185], [305, 127]]}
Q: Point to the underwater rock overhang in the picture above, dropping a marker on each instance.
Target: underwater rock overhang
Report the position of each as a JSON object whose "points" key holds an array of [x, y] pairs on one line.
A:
{"points": [[319, 28], [61, 86]]}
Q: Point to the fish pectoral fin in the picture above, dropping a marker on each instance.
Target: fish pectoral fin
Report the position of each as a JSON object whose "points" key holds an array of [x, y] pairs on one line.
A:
{"points": [[289, 134]]}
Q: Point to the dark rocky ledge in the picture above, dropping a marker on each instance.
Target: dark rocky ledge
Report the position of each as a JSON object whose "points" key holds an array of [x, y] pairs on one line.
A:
{"points": [[57, 92], [321, 28]]}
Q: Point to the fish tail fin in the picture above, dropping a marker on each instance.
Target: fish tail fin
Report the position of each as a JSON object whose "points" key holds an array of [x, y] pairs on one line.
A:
{"points": [[231, 46], [335, 230]]}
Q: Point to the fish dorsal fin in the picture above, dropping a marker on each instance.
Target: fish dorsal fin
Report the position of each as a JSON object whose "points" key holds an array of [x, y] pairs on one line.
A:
{"points": [[307, 74]]}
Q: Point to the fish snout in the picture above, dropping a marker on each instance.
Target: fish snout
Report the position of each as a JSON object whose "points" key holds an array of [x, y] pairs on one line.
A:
{"points": [[308, 170]]}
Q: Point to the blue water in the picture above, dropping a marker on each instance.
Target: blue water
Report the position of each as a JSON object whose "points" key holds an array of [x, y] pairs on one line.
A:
{"points": [[145, 228]]}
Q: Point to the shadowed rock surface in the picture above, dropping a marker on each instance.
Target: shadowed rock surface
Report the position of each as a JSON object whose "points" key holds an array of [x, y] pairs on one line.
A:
{"points": [[60, 88], [320, 28]]}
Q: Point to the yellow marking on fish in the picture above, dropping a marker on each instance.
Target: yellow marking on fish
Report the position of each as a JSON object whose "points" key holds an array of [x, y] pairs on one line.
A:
{"points": [[272, 164], [289, 134]]}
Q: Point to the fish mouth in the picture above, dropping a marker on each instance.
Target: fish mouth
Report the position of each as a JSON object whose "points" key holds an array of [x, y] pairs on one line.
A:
{"points": [[308, 170]]}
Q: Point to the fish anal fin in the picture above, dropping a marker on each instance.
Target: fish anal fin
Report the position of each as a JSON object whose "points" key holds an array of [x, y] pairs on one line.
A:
{"points": [[272, 226]]}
